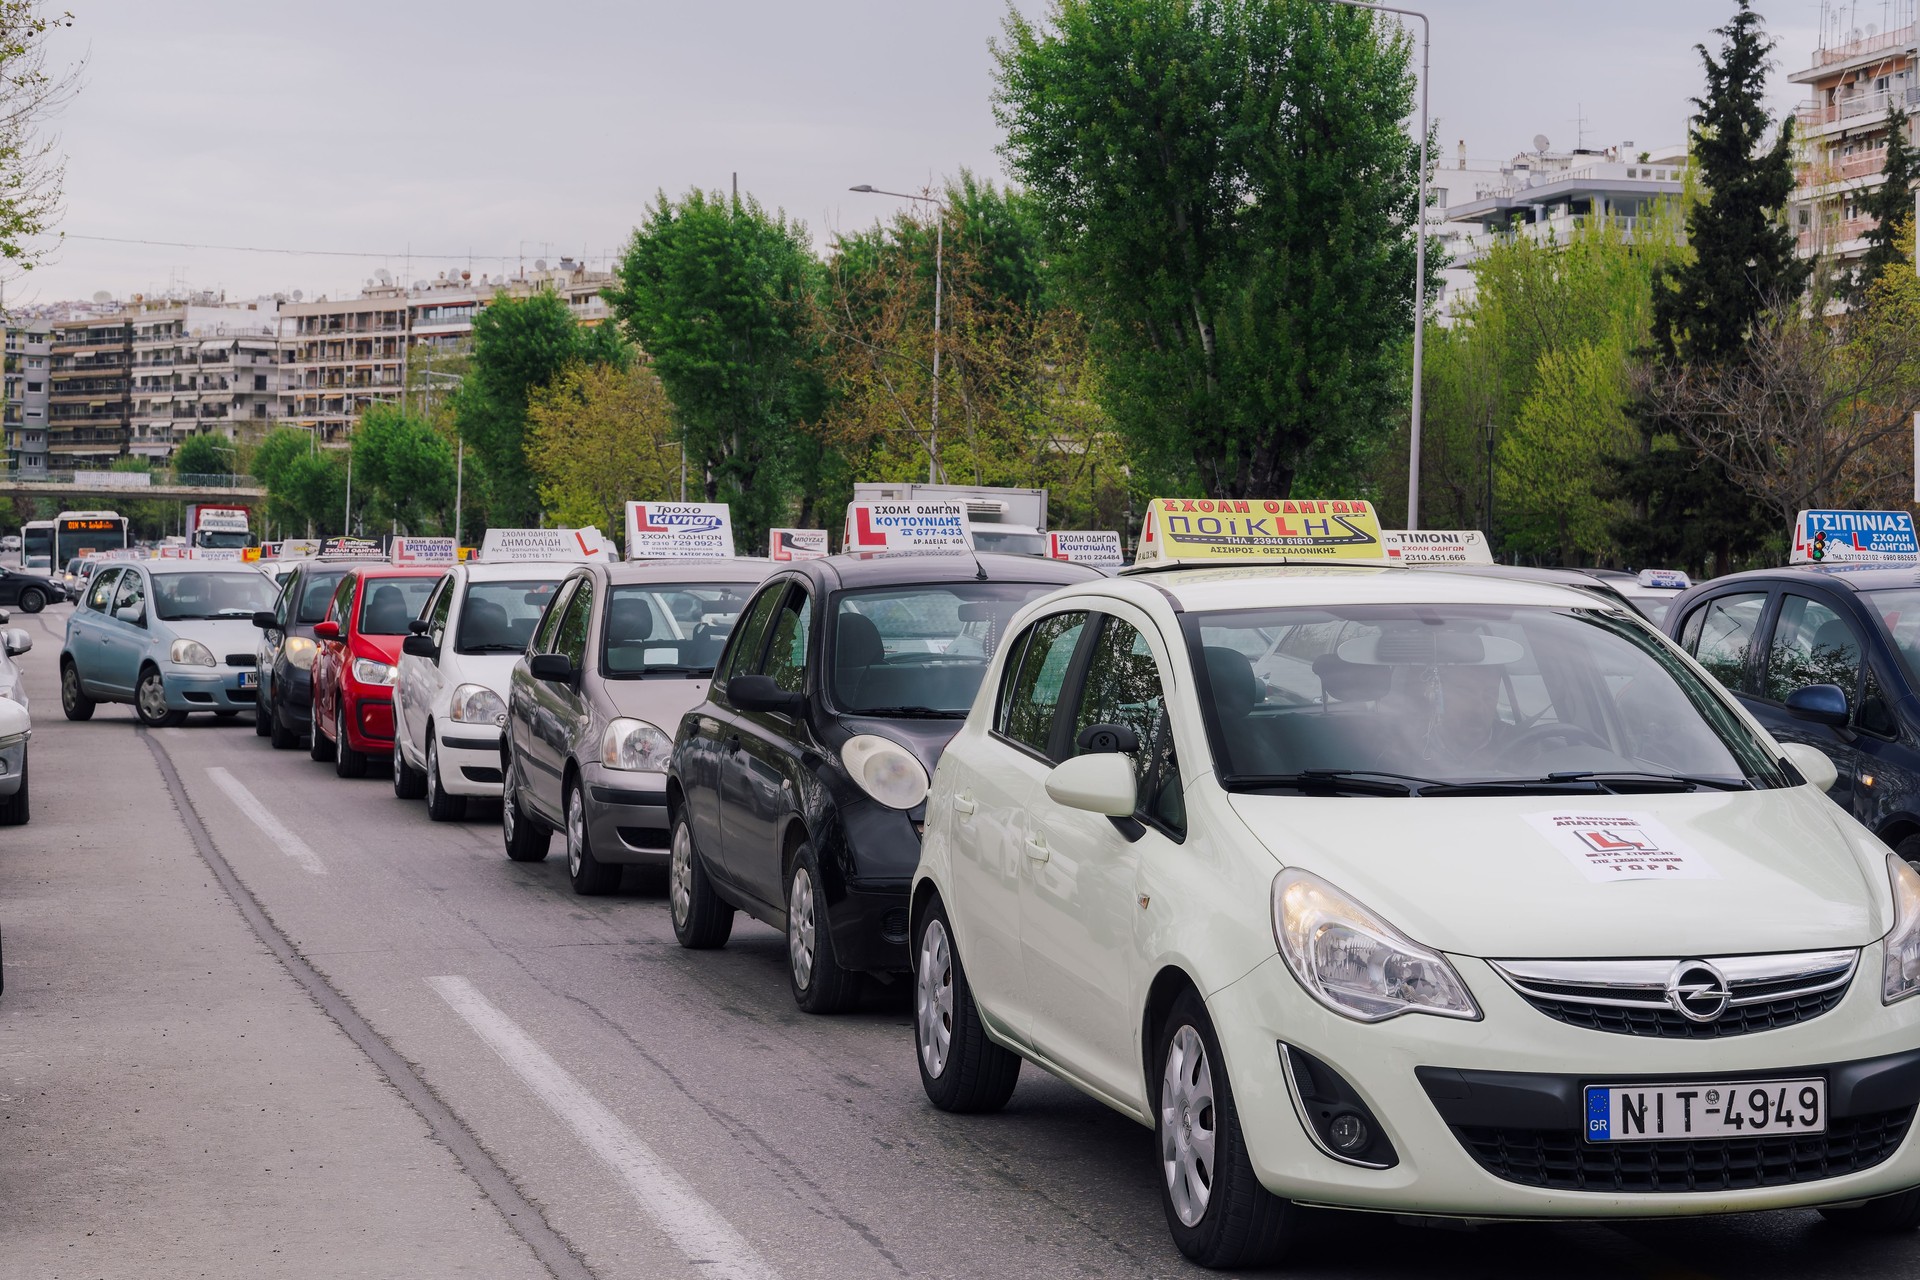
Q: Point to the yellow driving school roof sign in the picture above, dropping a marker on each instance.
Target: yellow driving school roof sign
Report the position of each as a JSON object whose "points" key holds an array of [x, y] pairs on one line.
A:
{"points": [[1269, 530]]}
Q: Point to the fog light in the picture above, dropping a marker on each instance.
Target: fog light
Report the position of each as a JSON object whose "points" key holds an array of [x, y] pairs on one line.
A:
{"points": [[1348, 1134]]}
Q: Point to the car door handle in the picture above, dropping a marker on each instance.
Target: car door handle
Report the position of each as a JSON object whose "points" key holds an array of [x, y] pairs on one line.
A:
{"points": [[733, 743], [1037, 848], [964, 803]]}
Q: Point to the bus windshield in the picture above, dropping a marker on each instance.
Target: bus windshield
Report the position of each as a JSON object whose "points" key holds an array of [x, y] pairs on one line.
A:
{"points": [[81, 533]]}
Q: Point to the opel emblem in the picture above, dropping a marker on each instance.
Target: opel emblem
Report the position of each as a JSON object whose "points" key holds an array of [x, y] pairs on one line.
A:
{"points": [[1698, 991]]}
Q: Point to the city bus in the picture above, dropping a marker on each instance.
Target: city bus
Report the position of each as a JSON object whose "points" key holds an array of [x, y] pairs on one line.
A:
{"points": [[36, 545], [81, 533]]}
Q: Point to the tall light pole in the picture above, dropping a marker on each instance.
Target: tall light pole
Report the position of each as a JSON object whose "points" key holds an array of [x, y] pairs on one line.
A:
{"points": [[1419, 256], [939, 255]]}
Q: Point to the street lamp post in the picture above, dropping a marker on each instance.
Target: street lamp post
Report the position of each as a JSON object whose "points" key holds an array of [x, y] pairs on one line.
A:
{"points": [[939, 256], [1419, 255]]}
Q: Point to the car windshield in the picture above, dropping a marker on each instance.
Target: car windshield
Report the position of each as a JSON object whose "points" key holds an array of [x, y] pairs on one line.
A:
{"points": [[387, 605], [1401, 698], [316, 593], [183, 597], [670, 628], [920, 650], [499, 617]]}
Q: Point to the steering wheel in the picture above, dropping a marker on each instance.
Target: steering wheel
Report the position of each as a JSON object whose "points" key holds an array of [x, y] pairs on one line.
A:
{"points": [[1574, 734]]}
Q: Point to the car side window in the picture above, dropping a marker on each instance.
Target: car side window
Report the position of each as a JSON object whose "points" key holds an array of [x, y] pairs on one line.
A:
{"points": [[1875, 715], [1721, 636], [1812, 644], [438, 608], [102, 593], [786, 659], [1123, 686], [283, 603], [550, 621], [131, 596], [743, 646], [1032, 695], [571, 636]]}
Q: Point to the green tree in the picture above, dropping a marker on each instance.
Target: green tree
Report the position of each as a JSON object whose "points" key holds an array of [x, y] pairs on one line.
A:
{"points": [[403, 470], [1239, 231], [600, 435], [720, 294], [1685, 509], [203, 455], [32, 170], [1890, 204]]}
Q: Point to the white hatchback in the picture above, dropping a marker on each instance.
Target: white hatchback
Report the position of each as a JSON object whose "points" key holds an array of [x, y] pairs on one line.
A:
{"points": [[449, 699], [1419, 893]]}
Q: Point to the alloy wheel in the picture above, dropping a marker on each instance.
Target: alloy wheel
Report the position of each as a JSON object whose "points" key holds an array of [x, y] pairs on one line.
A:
{"points": [[1187, 1125], [576, 831], [433, 771], [680, 875], [800, 928], [933, 998]]}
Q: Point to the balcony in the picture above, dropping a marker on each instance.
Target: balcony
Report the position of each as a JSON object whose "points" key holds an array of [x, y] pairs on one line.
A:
{"points": [[1815, 115]]}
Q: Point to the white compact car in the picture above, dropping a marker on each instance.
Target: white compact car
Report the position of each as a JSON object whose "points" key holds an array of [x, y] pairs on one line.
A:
{"points": [[1413, 892], [449, 699]]}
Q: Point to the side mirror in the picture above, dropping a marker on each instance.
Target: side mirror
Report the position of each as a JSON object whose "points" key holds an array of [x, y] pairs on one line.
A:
{"points": [[1812, 763], [328, 630], [5, 617], [419, 646], [1820, 703], [265, 620], [133, 613], [1101, 783], [761, 694], [555, 668], [417, 627], [1106, 739], [18, 641]]}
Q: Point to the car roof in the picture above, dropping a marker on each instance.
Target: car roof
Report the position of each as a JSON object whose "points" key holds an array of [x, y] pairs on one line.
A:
{"points": [[381, 569], [891, 568], [736, 569], [1271, 586], [193, 566], [1859, 577]]}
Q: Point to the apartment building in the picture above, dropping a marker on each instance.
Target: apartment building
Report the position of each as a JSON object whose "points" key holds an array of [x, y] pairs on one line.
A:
{"points": [[29, 351], [90, 400], [202, 368], [1856, 78]]}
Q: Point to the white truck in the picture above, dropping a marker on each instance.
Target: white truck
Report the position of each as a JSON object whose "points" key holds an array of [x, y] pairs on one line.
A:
{"points": [[1013, 521], [222, 528]]}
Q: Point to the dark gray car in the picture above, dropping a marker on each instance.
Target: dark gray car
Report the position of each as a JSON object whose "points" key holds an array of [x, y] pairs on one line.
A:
{"points": [[621, 654]]}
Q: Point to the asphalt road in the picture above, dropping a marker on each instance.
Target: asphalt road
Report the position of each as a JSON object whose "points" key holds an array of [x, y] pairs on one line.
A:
{"points": [[263, 1022]]}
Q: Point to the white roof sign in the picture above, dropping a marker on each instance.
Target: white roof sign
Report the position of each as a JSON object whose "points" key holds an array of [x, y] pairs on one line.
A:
{"points": [[796, 544], [1436, 546], [424, 551], [579, 545], [1098, 547], [679, 531], [907, 526]]}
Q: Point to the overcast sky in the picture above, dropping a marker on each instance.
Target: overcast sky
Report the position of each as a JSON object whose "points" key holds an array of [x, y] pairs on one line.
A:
{"points": [[509, 131]]}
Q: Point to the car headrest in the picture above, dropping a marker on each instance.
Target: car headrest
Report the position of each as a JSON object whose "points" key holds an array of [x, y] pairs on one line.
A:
{"points": [[1835, 636], [858, 642], [387, 611], [1230, 672], [629, 620]]}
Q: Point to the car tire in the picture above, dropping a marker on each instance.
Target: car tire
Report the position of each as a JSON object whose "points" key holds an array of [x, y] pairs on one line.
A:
{"points": [[17, 808], [819, 984], [961, 1068], [1885, 1216], [150, 701], [262, 722], [319, 745], [73, 699], [702, 919], [1218, 1212], [441, 806], [279, 734], [32, 600], [409, 783], [526, 839], [590, 876], [347, 762]]}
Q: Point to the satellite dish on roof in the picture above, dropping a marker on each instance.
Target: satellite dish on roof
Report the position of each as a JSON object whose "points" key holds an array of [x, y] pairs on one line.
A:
{"points": [[1540, 142], [298, 295], [103, 296]]}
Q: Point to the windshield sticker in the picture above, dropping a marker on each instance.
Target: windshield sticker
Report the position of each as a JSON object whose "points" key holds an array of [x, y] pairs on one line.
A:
{"points": [[1622, 846]]}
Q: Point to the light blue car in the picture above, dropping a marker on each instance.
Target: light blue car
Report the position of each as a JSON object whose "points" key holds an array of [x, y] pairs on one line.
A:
{"points": [[169, 636]]}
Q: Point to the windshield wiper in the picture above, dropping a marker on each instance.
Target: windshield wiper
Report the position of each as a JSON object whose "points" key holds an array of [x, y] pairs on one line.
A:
{"points": [[907, 713], [492, 648], [1365, 782], [1644, 777], [673, 669]]}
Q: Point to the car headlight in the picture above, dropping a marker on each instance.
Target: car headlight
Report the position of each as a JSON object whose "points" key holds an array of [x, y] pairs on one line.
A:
{"points": [[885, 770], [369, 671], [300, 652], [191, 653], [477, 704], [635, 745], [1355, 963], [1902, 976]]}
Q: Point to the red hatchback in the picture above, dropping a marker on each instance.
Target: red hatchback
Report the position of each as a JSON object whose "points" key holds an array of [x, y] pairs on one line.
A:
{"points": [[353, 671]]}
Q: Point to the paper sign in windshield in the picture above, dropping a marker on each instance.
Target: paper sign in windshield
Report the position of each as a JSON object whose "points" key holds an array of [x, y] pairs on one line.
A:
{"points": [[1844, 537], [1622, 846], [796, 544], [907, 526], [1437, 546], [679, 530], [1095, 547]]}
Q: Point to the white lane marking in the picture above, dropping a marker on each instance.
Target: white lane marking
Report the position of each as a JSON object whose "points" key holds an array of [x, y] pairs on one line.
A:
{"points": [[696, 1228], [290, 844]]}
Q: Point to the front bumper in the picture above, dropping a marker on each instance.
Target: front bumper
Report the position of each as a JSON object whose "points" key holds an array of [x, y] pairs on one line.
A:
{"points": [[13, 765], [208, 688], [292, 695], [367, 720], [469, 758], [626, 815], [1437, 1125]]}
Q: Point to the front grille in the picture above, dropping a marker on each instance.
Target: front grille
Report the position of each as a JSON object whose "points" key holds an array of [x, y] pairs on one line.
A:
{"points": [[1561, 1160], [241, 660], [1630, 997]]}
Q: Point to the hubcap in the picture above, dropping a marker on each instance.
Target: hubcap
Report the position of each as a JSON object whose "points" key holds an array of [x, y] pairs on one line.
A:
{"points": [[433, 772], [576, 831], [153, 698], [680, 878], [800, 928], [933, 999], [70, 685], [1187, 1125]]}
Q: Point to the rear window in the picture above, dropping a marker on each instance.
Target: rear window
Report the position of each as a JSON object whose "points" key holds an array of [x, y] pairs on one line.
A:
{"points": [[387, 605], [315, 592]]}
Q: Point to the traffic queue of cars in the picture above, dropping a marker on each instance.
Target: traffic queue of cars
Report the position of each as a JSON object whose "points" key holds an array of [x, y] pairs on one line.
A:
{"points": [[1459, 894]]}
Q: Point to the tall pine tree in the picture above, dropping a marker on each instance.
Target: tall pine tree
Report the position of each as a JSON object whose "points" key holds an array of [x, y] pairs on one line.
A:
{"points": [[1686, 509], [1891, 204]]}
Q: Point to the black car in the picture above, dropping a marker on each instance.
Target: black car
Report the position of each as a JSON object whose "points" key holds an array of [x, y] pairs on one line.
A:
{"points": [[28, 591], [287, 649], [1825, 655], [797, 790]]}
